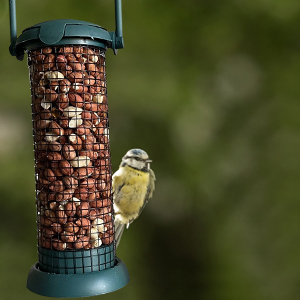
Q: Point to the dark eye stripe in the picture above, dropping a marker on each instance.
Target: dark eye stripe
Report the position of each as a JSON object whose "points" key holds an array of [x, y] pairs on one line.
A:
{"points": [[135, 157]]}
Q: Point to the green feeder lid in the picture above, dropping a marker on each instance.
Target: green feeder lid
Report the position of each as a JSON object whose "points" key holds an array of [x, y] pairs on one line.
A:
{"points": [[64, 32]]}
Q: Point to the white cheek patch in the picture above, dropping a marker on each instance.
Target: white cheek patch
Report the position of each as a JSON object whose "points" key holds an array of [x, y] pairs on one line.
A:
{"points": [[137, 164], [131, 162]]}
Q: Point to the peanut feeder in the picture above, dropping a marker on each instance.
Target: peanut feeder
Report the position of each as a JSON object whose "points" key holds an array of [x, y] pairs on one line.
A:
{"points": [[75, 218]]}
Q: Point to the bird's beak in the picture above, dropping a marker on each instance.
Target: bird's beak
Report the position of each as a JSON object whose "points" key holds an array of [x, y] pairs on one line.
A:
{"points": [[148, 160]]}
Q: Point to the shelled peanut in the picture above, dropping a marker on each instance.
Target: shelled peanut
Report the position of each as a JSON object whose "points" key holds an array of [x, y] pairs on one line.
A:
{"points": [[71, 144]]}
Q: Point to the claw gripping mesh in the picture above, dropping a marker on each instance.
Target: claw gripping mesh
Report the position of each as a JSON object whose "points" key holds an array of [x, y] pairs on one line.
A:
{"points": [[72, 158]]}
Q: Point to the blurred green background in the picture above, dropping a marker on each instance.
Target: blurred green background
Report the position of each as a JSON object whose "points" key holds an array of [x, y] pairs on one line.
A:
{"points": [[210, 89]]}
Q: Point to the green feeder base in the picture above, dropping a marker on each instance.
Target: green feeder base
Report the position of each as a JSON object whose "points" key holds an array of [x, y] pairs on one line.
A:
{"points": [[77, 285]]}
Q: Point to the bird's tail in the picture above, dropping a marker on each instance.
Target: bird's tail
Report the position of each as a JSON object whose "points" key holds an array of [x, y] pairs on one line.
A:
{"points": [[119, 228]]}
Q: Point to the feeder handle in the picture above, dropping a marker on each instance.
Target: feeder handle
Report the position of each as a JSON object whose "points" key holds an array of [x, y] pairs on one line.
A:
{"points": [[117, 36], [118, 13], [13, 27]]}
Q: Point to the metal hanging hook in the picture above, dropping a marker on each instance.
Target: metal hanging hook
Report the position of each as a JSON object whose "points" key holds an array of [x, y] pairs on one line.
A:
{"points": [[117, 36], [13, 27], [119, 29]]}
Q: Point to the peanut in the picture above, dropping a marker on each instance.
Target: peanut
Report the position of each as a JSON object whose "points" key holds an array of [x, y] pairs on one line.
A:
{"points": [[71, 147]]}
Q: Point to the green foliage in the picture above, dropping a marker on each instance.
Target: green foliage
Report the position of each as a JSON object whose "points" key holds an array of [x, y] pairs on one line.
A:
{"points": [[210, 90]]}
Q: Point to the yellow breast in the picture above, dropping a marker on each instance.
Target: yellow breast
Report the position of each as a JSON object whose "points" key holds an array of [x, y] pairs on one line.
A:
{"points": [[130, 188]]}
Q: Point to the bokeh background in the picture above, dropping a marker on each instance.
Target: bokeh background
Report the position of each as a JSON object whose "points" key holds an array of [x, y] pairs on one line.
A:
{"points": [[210, 89]]}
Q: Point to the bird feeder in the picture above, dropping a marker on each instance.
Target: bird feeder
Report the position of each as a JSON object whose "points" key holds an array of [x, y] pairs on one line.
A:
{"points": [[75, 218]]}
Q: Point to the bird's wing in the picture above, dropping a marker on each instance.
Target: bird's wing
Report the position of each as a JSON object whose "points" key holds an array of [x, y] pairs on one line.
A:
{"points": [[116, 179], [149, 194], [117, 184], [151, 186]]}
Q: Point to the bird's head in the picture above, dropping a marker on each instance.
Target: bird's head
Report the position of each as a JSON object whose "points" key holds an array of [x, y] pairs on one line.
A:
{"points": [[137, 159]]}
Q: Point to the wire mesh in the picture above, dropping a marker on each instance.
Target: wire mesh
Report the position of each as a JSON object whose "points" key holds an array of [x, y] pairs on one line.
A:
{"points": [[72, 155]]}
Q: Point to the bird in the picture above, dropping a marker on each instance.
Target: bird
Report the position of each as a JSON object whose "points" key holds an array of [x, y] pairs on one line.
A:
{"points": [[133, 185]]}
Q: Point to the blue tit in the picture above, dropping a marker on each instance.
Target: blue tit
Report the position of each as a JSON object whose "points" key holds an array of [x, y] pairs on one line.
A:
{"points": [[132, 187]]}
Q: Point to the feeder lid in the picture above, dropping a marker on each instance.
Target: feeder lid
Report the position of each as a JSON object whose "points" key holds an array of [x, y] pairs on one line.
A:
{"points": [[65, 32]]}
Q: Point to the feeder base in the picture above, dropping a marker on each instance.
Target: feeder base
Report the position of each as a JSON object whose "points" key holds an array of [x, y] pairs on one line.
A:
{"points": [[77, 285]]}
